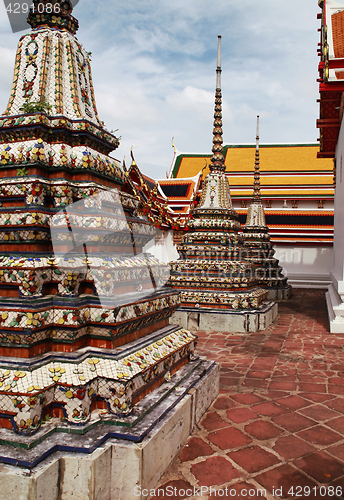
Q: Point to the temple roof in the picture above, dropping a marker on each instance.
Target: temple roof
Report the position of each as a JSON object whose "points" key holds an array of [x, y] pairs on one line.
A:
{"points": [[286, 169]]}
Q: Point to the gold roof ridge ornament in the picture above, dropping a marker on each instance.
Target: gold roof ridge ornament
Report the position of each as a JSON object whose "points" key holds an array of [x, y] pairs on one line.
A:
{"points": [[133, 162]]}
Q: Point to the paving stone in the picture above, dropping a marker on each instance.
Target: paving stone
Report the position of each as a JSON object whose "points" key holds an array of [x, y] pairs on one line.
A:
{"points": [[240, 415], [178, 485], [303, 386], [274, 394], [255, 383], [213, 421], [258, 374], [321, 466], [317, 398], [224, 403], [335, 389], [293, 422], [280, 479], [253, 459], [195, 447], [293, 402], [228, 438], [337, 451], [320, 435], [270, 409], [336, 404], [283, 386], [292, 447], [337, 424], [262, 430], [247, 398], [319, 413], [239, 491], [214, 471]]}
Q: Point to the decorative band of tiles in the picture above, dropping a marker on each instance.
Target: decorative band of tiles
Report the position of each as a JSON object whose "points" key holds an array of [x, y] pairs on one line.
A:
{"points": [[36, 189], [237, 300], [25, 319], [59, 156], [74, 386]]}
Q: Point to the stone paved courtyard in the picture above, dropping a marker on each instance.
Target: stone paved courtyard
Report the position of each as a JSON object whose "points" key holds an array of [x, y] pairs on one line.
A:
{"points": [[278, 423]]}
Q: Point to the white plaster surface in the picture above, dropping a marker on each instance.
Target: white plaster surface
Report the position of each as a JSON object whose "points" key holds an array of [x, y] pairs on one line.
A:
{"points": [[227, 321], [335, 294], [165, 442], [306, 266]]}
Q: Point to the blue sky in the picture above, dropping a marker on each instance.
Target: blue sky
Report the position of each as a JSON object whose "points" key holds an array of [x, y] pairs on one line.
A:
{"points": [[154, 61]]}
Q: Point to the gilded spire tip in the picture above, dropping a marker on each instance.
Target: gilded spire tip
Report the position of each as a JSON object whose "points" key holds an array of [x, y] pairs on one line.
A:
{"points": [[217, 160], [133, 162], [256, 188]]}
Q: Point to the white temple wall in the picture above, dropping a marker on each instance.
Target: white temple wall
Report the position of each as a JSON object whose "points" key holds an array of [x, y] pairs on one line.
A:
{"points": [[306, 266], [162, 247], [335, 294], [338, 243]]}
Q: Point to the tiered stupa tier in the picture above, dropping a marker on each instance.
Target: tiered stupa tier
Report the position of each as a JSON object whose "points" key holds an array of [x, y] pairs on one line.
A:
{"points": [[72, 313], [257, 245], [211, 273]]}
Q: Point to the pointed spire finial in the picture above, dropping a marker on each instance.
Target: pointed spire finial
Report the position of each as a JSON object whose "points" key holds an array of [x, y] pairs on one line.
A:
{"points": [[256, 189], [133, 162], [218, 69], [217, 160]]}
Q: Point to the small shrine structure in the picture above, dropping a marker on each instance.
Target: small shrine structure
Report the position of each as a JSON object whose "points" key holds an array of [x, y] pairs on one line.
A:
{"points": [[89, 365], [219, 289], [256, 242]]}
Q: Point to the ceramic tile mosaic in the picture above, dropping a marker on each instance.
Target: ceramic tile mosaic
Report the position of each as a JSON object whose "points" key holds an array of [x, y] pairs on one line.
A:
{"points": [[62, 155], [211, 253], [59, 191], [75, 385]]}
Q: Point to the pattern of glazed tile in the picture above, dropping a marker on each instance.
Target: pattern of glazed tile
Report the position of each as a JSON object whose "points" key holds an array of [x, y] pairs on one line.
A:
{"points": [[76, 385]]}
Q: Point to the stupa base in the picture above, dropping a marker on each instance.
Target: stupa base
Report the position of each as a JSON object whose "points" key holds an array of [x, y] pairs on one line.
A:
{"points": [[104, 461], [280, 293], [220, 320]]}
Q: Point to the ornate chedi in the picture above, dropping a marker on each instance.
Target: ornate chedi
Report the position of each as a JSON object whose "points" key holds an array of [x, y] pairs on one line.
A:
{"points": [[257, 245], [211, 273], [83, 323]]}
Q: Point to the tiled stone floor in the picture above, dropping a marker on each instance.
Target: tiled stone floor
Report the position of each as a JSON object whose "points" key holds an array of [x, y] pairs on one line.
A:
{"points": [[278, 423]]}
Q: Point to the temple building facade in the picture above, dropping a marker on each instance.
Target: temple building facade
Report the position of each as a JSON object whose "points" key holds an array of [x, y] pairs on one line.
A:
{"points": [[330, 124], [296, 192]]}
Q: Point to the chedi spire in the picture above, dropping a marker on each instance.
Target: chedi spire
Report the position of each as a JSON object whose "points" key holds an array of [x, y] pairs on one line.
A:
{"points": [[210, 272], [256, 191], [217, 160], [256, 241]]}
